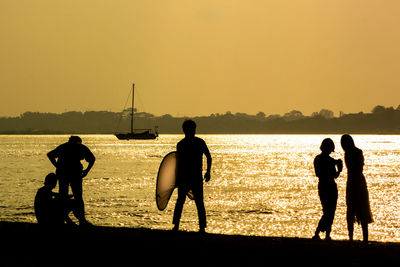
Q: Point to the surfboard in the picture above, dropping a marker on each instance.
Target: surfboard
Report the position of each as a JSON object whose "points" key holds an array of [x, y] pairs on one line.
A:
{"points": [[166, 181]]}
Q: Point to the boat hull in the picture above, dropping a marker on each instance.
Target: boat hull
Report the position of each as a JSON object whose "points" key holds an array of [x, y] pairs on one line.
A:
{"points": [[136, 136]]}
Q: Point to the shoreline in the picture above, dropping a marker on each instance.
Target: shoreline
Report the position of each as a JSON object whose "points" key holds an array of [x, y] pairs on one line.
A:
{"points": [[27, 243], [207, 133]]}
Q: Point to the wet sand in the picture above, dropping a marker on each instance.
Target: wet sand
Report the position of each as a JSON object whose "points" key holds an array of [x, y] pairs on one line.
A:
{"points": [[25, 244]]}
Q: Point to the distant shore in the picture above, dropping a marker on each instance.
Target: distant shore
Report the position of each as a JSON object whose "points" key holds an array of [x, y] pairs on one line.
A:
{"points": [[26, 244], [381, 120]]}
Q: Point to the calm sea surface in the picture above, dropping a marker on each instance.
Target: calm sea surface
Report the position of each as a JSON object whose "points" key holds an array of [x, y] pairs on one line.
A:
{"points": [[260, 184]]}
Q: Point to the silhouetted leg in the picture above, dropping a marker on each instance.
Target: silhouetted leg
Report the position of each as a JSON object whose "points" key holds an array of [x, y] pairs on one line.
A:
{"points": [[329, 221], [63, 186], [330, 213], [350, 228], [71, 206], [317, 231], [364, 226], [319, 228], [179, 207], [350, 223], [201, 210], [322, 222], [76, 186]]}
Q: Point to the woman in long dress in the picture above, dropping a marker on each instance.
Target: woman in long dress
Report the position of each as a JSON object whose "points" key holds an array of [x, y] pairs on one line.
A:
{"points": [[357, 199], [327, 169]]}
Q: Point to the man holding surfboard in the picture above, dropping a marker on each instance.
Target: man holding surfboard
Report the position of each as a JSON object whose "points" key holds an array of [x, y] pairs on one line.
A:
{"points": [[189, 172]]}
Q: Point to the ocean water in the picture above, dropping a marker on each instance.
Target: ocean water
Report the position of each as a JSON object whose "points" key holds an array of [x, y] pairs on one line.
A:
{"points": [[260, 184]]}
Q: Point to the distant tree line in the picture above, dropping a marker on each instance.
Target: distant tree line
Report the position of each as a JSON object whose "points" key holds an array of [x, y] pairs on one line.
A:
{"points": [[384, 120]]}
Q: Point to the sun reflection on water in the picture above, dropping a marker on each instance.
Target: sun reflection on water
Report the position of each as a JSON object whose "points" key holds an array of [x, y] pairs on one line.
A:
{"points": [[261, 184]]}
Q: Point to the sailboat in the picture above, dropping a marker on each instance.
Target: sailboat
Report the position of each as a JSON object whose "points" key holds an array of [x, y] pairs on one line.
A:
{"points": [[138, 133]]}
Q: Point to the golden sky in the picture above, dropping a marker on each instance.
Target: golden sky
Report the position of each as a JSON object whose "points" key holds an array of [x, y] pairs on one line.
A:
{"points": [[192, 57]]}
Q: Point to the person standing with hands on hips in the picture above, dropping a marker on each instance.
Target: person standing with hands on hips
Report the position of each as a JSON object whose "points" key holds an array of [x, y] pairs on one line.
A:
{"points": [[69, 170]]}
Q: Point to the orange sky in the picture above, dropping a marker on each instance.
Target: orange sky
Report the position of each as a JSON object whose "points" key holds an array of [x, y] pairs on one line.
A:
{"points": [[199, 57]]}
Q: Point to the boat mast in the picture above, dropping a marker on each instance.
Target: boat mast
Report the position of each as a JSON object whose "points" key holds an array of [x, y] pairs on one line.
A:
{"points": [[133, 94]]}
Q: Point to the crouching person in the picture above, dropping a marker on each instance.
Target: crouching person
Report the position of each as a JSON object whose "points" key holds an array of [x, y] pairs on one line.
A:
{"points": [[51, 211]]}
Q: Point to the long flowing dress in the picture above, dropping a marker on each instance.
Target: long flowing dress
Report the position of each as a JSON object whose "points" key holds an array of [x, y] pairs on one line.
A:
{"points": [[357, 199]]}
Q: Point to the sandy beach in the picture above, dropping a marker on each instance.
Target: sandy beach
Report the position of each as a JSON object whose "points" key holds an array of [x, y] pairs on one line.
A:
{"points": [[25, 244]]}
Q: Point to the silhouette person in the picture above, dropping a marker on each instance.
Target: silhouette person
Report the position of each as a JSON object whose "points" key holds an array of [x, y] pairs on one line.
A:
{"points": [[327, 170], [67, 160], [50, 210], [189, 173], [357, 199]]}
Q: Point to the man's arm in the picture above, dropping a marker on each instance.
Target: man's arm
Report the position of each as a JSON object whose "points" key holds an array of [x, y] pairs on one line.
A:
{"points": [[52, 155], [90, 158], [207, 175], [86, 171]]}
